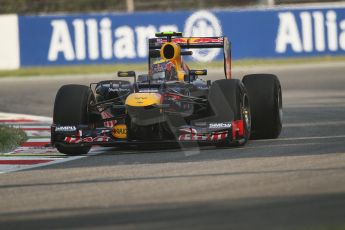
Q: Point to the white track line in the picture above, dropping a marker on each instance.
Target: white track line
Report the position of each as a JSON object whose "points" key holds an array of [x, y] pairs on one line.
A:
{"points": [[326, 123], [16, 168], [300, 138], [54, 161], [25, 116], [30, 140], [37, 133], [33, 126]]}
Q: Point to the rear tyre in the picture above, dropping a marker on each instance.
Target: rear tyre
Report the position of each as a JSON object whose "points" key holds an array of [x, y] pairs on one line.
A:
{"points": [[71, 109], [265, 97], [229, 100]]}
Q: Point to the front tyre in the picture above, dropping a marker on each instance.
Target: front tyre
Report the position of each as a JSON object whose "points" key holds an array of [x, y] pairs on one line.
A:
{"points": [[229, 101], [265, 95], [71, 109]]}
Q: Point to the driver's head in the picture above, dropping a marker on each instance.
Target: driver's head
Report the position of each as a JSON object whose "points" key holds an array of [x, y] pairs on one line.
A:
{"points": [[163, 70], [171, 74]]}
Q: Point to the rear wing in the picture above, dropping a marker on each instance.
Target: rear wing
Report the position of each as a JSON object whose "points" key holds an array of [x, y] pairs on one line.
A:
{"points": [[199, 43]]}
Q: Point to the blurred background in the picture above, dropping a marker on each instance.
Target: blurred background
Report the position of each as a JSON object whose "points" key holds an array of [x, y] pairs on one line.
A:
{"points": [[63, 33], [45, 6]]}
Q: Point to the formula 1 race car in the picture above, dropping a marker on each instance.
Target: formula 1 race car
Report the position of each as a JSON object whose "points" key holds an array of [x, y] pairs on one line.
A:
{"points": [[169, 104]]}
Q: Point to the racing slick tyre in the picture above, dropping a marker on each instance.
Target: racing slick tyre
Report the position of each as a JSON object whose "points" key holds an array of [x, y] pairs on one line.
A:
{"points": [[265, 97], [70, 109], [229, 96]]}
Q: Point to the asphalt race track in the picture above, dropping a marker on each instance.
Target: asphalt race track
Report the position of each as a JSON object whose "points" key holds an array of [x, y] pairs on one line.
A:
{"points": [[294, 182]]}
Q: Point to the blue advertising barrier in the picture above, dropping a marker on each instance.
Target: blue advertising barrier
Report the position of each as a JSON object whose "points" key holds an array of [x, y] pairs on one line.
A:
{"points": [[122, 38]]}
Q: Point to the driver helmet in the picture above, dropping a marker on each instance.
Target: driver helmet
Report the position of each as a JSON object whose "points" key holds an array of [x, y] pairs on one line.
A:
{"points": [[163, 70]]}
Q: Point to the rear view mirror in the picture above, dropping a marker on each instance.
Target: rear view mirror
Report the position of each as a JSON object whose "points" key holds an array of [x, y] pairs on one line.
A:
{"points": [[157, 54], [126, 74], [154, 54], [186, 52], [143, 78], [195, 72]]}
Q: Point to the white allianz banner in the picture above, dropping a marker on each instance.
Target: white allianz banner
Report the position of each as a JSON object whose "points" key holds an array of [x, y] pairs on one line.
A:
{"points": [[109, 38], [9, 42]]}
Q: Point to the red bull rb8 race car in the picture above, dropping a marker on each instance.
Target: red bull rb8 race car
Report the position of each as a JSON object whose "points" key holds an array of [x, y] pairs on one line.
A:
{"points": [[169, 104]]}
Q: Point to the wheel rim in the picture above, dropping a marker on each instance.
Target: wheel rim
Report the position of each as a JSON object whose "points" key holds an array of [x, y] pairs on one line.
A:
{"points": [[246, 115]]}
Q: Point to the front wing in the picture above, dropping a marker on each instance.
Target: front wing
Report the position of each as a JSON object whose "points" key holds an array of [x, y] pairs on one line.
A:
{"points": [[209, 133]]}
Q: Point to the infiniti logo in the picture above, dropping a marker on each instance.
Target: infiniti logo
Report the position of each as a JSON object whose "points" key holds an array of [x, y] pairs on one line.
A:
{"points": [[203, 24]]}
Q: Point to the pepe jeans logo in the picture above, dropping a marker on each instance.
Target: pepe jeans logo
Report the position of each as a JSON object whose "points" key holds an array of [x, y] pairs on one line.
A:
{"points": [[203, 24]]}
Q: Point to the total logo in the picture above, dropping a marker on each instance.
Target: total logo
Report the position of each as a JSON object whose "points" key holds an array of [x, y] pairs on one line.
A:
{"points": [[96, 39], [120, 131]]}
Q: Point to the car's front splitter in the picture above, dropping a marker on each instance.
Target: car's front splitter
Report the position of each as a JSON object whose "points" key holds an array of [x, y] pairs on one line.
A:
{"points": [[84, 136]]}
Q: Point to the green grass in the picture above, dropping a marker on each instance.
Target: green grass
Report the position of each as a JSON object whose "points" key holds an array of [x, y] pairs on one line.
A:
{"points": [[94, 69], [10, 138]]}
